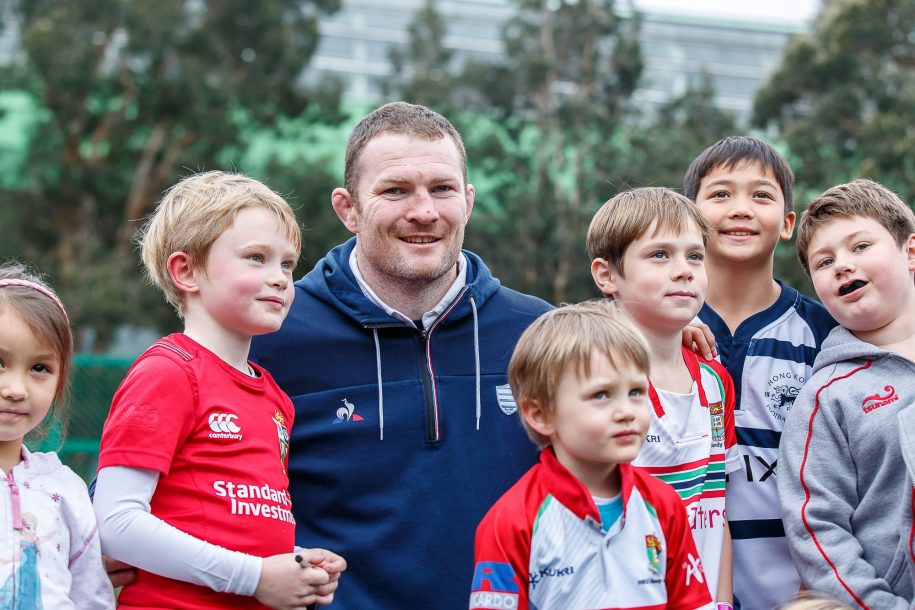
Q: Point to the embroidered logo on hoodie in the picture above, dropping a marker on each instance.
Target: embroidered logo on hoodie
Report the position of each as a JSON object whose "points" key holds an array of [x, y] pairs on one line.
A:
{"points": [[505, 399], [877, 400], [347, 413]]}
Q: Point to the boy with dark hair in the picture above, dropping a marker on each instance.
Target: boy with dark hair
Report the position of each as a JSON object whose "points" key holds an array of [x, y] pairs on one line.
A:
{"points": [[574, 532], [768, 335], [842, 469]]}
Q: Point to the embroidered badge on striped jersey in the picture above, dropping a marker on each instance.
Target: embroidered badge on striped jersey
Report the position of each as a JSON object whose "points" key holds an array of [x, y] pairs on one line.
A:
{"points": [[716, 412], [506, 399], [654, 550]]}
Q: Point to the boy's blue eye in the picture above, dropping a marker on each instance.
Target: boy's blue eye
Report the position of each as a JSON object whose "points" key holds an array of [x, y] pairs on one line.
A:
{"points": [[861, 246], [823, 262], [600, 395], [658, 254], [257, 258], [697, 256]]}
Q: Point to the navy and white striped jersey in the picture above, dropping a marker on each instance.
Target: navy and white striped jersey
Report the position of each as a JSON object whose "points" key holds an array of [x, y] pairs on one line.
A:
{"points": [[769, 356]]}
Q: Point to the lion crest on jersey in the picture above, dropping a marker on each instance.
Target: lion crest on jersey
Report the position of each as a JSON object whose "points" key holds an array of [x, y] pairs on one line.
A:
{"points": [[654, 550], [283, 435]]}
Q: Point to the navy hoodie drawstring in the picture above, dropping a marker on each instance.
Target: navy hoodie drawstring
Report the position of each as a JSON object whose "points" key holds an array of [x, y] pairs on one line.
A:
{"points": [[476, 358], [380, 386], [476, 351]]}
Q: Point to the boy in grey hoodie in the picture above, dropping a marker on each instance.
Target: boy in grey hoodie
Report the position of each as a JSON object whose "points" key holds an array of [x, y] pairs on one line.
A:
{"points": [[841, 478]]}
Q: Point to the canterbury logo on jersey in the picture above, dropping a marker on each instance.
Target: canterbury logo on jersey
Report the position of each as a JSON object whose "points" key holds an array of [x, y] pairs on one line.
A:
{"points": [[223, 426]]}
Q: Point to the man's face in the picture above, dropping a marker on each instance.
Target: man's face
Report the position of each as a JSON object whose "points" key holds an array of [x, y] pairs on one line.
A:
{"points": [[409, 210]]}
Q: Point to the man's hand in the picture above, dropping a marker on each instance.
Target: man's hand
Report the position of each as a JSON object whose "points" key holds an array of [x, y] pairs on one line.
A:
{"points": [[119, 573], [699, 338]]}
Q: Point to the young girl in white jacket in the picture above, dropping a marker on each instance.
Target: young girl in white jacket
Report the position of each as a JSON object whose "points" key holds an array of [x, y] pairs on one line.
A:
{"points": [[49, 548]]}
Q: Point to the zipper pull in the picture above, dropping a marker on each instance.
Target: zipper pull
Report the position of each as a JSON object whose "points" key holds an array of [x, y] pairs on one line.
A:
{"points": [[14, 500]]}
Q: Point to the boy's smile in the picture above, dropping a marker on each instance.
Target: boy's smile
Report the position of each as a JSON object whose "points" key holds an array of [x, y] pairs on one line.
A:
{"points": [[746, 208], [860, 274], [599, 420]]}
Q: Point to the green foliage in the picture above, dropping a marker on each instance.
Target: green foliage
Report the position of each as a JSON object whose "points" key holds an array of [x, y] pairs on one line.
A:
{"points": [[844, 96], [132, 94]]}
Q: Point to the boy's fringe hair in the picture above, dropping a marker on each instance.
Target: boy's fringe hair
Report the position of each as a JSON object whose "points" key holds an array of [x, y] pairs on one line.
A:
{"points": [[565, 339]]}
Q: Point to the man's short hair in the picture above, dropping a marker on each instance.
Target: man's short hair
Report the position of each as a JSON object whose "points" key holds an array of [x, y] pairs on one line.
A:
{"points": [[403, 119], [738, 150], [565, 339], [862, 197], [628, 215], [195, 212]]}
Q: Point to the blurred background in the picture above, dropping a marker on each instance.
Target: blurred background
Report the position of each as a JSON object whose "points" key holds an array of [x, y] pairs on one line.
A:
{"points": [[562, 103]]}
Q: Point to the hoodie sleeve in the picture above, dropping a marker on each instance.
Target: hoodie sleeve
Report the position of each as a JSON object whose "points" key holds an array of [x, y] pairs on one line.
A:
{"points": [[817, 487]]}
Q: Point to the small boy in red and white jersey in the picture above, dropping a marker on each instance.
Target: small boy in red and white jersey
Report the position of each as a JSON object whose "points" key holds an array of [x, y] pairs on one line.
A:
{"points": [[584, 528], [192, 488]]}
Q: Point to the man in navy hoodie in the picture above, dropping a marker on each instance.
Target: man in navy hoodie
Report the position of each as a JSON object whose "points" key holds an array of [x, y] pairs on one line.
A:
{"points": [[394, 353]]}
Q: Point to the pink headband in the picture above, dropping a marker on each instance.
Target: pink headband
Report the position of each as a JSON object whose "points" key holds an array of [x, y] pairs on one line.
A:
{"points": [[39, 288]]}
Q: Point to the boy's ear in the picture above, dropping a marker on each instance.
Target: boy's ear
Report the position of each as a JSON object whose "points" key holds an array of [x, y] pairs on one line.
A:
{"points": [[345, 206], [536, 416], [604, 276], [787, 226], [910, 250], [181, 269]]}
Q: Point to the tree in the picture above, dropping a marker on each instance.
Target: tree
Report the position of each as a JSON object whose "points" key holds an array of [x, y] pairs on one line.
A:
{"points": [[132, 94], [844, 96], [658, 151], [552, 132]]}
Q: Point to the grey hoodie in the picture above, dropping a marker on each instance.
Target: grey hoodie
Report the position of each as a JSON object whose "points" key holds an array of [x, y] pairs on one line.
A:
{"points": [[907, 442], [841, 476]]}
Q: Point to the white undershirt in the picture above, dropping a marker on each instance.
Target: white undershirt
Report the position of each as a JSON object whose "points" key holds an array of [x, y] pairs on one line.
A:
{"points": [[129, 532]]}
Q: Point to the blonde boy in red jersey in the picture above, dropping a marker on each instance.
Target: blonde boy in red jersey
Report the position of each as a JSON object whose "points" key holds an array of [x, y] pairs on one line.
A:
{"points": [[192, 487]]}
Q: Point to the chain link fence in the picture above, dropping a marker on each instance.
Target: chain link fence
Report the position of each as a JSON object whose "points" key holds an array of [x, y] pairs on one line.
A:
{"points": [[93, 381]]}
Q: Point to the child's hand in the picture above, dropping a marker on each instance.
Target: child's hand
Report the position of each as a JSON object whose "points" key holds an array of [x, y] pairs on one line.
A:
{"points": [[328, 561], [286, 584]]}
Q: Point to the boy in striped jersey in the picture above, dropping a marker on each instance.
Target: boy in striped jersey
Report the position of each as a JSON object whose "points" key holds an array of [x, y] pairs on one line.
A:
{"points": [[843, 477], [647, 248], [583, 528], [768, 335]]}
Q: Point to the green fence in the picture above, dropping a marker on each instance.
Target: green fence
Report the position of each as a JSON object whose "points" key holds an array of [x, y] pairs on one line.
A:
{"points": [[93, 382]]}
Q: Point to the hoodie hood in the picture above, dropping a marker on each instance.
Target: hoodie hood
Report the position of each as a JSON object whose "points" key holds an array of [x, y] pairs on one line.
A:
{"points": [[332, 282], [842, 345]]}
